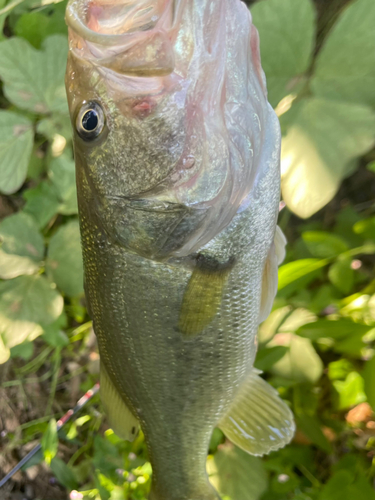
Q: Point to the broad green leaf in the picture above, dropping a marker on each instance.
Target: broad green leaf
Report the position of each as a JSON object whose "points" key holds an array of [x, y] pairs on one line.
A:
{"points": [[369, 379], [50, 441], [64, 262], [16, 142], [42, 203], [34, 79], [36, 26], [345, 67], [24, 350], [287, 38], [341, 275], [63, 473], [301, 362], [319, 150], [62, 175], [340, 369], [26, 304], [346, 485], [268, 356], [336, 329], [366, 228], [288, 273], [311, 427], [351, 390], [53, 333], [237, 475], [21, 246], [324, 245]]}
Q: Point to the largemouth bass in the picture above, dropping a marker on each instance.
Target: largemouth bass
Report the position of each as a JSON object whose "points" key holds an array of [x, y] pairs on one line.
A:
{"points": [[177, 158]]}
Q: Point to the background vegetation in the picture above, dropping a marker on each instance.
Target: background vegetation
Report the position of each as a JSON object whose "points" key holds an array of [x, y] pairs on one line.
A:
{"points": [[317, 346]]}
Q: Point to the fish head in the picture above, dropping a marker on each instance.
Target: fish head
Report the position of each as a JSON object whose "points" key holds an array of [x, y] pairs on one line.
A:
{"points": [[169, 108], [128, 124]]}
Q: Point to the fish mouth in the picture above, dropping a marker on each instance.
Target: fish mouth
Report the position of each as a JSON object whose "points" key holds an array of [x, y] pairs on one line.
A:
{"points": [[132, 37]]}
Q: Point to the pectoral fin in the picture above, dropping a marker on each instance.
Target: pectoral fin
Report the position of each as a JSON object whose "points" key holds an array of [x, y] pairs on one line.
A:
{"points": [[121, 419], [259, 421], [269, 283], [203, 295]]}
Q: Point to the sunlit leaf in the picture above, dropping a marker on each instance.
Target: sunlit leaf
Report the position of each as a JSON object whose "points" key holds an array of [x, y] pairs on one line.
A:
{"points": [[21, 247], [26, 303], [237, 475], [287, 37], [16, 142], [288, 273], [268, 356], [33, 79], [351, 390], [300, 363], [319, 149], [64, 262], [50, 441], [345, 67]]}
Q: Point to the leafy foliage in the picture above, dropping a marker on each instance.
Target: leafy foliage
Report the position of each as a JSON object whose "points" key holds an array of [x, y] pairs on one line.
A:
{"points": [[317, 346]]}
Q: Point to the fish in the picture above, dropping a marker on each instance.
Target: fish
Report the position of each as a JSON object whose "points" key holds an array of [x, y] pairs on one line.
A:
{"points": [[177, 154]]}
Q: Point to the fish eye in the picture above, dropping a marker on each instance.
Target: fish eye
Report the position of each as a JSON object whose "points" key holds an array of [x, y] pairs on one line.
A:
{"points": [[90, 121]]}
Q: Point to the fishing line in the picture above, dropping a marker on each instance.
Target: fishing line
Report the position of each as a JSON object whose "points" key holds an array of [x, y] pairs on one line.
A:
{"points": [[60, 423]]}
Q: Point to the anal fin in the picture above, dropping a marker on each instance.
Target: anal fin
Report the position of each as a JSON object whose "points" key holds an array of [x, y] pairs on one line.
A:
{"points": [[121, 419], [258, 421]]}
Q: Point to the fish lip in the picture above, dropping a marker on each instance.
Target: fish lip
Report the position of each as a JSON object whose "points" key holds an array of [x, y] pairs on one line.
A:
{"points": [[151, 205]]}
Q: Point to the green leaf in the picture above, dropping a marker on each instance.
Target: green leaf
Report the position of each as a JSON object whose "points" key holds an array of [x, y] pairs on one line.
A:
{"points": [[366, 228], [24, 351], [345, 67], [62, 175], [53, 333], [36, 26], [369, 379], [34, 80], [341, 275], [311, 427], [351, 390], [324, 245], [237, 475], [267, 357], [336, 329], [50, 441], [26, 304], [339, 370], [63, 473], [16, 143], [42, 203], [288, 273], [64, 262], [22, 246], [287, 35], [345, 485], [319, 149], [301, 362]]}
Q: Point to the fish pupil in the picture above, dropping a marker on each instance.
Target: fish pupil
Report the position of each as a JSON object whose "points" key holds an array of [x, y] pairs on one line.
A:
{"points": [[90, 120]]}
